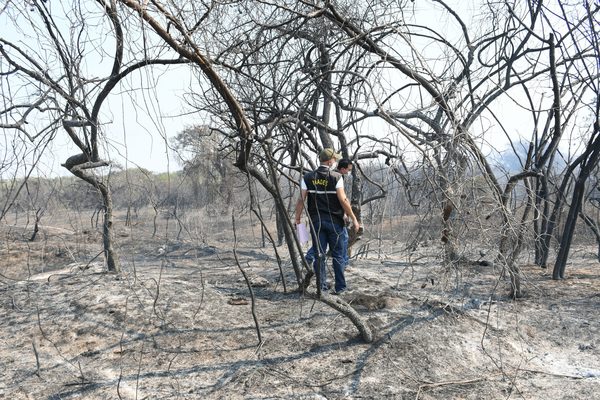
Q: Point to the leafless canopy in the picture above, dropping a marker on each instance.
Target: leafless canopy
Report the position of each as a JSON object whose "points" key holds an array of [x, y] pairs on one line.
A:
{"points": [[418, 94]]}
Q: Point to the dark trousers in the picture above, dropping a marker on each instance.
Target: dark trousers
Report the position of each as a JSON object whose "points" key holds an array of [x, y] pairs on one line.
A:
{"points": [[328, 235]]}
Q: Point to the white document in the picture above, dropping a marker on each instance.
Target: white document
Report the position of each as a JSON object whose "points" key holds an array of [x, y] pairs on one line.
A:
{"points": [[303, 234]]}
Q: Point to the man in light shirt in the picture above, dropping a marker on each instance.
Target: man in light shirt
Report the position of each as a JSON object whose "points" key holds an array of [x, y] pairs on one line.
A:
{"points": [[323, 192]]}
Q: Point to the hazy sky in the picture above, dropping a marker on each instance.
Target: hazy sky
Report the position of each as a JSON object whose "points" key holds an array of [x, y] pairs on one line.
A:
{"points": [[139, 122]]}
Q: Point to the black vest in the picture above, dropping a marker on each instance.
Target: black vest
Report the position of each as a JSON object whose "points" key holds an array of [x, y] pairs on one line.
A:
{"points": [[323, 202]]}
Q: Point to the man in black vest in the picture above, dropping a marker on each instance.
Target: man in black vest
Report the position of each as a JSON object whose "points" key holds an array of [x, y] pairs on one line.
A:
{"points": [[323, 191], [344, 167]]}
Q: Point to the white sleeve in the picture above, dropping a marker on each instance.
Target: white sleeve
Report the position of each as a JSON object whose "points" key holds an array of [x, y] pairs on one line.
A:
{"points": [[340, 183], [303, 184]]}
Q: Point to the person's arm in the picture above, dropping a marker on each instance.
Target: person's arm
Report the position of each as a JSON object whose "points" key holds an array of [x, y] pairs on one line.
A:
{"points": [[300, 205], [341, 195]]}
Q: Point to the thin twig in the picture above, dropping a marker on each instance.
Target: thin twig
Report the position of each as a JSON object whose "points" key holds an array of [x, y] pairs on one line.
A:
{"points": [[237, 261], [37, 358], [201, 296]]}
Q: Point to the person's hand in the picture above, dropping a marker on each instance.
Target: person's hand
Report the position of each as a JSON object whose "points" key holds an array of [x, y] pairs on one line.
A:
{"points": [[360, 231]]}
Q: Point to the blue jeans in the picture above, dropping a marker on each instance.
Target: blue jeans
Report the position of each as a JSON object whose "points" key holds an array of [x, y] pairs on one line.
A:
{"points": [[327, 234], [311, 254]]}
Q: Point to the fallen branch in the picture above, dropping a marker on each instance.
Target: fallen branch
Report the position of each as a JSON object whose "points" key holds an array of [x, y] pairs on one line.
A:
{"points": [[535, 371], [449, 383], [345, 309]]}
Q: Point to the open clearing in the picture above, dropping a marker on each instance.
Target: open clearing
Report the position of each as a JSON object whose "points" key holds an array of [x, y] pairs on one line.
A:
{"points": [[177, 323]]}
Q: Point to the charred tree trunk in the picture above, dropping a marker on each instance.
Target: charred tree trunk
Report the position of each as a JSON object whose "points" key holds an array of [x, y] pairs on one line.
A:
{"points": [[279, 222], [78, 165], [593, 225], [559, 202], [567, 237], [541, 217], [355, 203], [511, 243], [449, 247], [36, 228], [110, 254], [590, 160]]}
